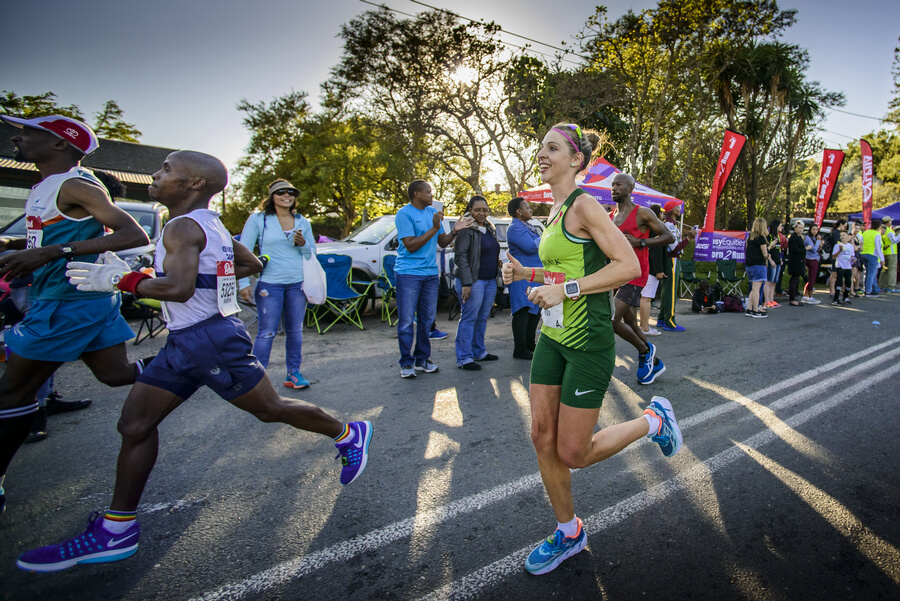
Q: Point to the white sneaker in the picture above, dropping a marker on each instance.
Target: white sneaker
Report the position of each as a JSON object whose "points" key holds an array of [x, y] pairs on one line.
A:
{"points": [[805, 299], [652, 332], [812, 301]]}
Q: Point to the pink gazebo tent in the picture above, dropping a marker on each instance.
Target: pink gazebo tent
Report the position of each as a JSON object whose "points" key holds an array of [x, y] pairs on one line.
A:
{"points": [[596, 179]]}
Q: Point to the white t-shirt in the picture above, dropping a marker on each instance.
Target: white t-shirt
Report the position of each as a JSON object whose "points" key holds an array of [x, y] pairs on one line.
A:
{"points": [[843, 254]]}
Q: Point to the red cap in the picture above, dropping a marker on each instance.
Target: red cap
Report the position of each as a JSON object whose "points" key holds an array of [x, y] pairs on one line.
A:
{"points": [[71, 130], [670, 206]]}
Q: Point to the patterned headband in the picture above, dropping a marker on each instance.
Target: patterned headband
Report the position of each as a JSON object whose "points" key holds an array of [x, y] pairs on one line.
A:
{"points": [[571, 141]]}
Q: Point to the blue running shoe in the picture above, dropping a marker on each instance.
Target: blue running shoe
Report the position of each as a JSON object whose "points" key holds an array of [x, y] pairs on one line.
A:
{"points": [[95, 545], [646, 364], [675, 328], [669, 435], [437, 334], [355, 454], [556, 549], [296, 380], [658, 368]]}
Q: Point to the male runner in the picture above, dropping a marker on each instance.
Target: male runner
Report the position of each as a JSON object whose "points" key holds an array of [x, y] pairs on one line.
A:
{"points": [[66, 214], [636, 223], [197, 266]]}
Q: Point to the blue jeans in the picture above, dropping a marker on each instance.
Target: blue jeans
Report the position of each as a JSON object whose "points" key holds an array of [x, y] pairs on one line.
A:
{"points": [[871, 263], [473, 320], [272, 302], [416, 309]]}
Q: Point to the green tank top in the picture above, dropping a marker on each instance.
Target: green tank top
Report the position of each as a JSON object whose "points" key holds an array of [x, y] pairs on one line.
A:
{"points": [[587, 321]]}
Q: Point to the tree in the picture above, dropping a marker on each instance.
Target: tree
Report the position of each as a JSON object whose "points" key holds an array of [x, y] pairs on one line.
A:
{"points": [[108, 123], [435, 86]]}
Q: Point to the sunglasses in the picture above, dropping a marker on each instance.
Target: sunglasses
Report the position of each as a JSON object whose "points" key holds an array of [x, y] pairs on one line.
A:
{"points": [[288, 192]]}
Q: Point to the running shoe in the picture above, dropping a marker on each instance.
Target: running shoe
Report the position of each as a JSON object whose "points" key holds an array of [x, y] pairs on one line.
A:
{"points": [[760, 314], [657, 369], [652, 332], [812, 301], [774, 305], [354, 454], [675, 328], [428, 367], [748, 313], [55, 404], [489, 357], [296, 380], [834, 302], [669, 434], [437, 335], [95, 545], [407, 371], [556, 549]]}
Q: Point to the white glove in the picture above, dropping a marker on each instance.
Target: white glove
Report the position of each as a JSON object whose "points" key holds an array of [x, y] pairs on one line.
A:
{"points": [[101, 276]]}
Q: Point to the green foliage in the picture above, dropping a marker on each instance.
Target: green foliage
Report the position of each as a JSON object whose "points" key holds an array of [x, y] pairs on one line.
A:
{"points": [[108, 123]]}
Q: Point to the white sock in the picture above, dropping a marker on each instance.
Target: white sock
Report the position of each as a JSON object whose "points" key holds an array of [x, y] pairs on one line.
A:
{"points": [[655, 422], [351, 434], [569, 529], [116, 527]]}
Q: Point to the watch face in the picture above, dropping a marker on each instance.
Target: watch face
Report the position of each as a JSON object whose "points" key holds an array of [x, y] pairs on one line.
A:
{"points": [[572, 289]]}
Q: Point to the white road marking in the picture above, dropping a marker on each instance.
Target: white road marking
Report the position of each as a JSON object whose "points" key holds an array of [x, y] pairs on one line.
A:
{"points": [[472, 584], [381, 537]]}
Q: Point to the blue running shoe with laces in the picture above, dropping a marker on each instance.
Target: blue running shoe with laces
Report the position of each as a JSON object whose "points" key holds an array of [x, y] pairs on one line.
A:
{"points": [[669, 434], [649, 367], [556, 549], [295, 379], [95, 545], [355, 454]]}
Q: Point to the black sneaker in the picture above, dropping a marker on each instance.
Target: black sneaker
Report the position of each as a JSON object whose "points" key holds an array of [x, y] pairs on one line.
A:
{"points": [[748, 313], [39, 429], [55, 404], [489, 357], [835, 302], [471, 366]]}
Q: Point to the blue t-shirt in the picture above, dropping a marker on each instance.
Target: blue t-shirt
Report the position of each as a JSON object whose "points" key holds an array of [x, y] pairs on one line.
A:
{"points": [[413, 222]]}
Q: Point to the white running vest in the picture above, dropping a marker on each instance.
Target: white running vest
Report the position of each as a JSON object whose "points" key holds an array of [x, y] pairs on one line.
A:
{"points": [[219, 248]]}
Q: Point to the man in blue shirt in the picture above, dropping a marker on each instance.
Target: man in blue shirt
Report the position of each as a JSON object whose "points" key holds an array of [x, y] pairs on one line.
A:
{"points": [[420, 232]]}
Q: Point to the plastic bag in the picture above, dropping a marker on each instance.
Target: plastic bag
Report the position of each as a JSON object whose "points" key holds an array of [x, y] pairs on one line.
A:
{"points": [[314, 284]]}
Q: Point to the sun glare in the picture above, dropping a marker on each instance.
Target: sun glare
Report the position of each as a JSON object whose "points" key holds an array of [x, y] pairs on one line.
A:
{"points": [[464, 75]]}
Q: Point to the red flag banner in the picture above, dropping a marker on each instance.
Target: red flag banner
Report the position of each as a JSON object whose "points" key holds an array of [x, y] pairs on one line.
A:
{"points": [[831, 167], [867, 175], [731, 148]]}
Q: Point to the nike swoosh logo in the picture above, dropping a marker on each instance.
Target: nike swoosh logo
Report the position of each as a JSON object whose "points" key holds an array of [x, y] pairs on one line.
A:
{"points": [[581, 392], [358, 443], [113, 542]]}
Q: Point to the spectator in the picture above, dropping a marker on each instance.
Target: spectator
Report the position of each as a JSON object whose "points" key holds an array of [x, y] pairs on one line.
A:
{"points": [[796, 260], [419, 229], [672, 269], [774, 244], [857, 259], [888, 280], [872, 256], [477, 253], [659, 262], [833, 238], [843, 261], [285, 237], [812, 244], [524, 240], [757, 260], [702, 301]]}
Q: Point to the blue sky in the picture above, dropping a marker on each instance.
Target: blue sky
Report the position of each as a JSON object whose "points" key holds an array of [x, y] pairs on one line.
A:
{"points": [[179, 67]]}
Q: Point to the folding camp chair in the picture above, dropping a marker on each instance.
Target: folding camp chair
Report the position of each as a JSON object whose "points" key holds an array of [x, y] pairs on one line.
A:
{"points": [[726, 271], [689, 279], [342, 301], [151, 318], [387, 282]]}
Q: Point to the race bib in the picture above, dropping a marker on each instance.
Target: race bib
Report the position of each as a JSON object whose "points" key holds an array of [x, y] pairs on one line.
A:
{"points": [[35, 234], [553, 316], [226, 285]]}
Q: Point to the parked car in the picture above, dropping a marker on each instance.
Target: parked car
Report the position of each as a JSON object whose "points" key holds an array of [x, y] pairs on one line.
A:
{"points": [[369, 244]]}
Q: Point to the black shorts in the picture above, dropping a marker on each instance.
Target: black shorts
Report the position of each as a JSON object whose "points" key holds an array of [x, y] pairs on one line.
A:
{"points": [[630, 294]]}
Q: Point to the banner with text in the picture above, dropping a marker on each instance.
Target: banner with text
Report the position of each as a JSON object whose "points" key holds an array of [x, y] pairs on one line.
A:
{"points": [[731, 148], [831, 168], [721, 245], [867, 174]]}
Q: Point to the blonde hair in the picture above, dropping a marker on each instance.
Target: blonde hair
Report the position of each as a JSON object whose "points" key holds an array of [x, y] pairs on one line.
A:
{"points": [[759, 228]]}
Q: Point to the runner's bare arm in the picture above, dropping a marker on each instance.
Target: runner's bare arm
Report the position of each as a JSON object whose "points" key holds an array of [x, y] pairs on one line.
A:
{"points": [[183, 240], [245, 262], [662, 236], [79, 199]]}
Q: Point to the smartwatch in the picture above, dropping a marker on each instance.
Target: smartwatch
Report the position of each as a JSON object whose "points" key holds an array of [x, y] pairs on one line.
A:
{"points": [[67, 251], [572, 289]]}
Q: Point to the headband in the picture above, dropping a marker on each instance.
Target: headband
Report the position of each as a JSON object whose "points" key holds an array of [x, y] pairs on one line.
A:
{"points": [[571, 141]]}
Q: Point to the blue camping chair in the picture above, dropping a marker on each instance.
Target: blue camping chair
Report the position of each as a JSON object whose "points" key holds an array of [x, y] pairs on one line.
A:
{"points": [[342, 302], [387, 282]]}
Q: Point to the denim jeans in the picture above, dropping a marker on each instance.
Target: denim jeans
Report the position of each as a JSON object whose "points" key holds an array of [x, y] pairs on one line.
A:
{"points": [[871, 263], [272, 302], [416, 309], [473, 320]]}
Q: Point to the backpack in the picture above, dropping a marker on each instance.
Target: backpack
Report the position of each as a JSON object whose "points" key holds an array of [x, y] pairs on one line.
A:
{"points": [[732, 304]]}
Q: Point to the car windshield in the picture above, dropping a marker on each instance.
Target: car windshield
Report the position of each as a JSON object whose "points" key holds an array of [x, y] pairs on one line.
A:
{"points": [[373, 232], [16, 227], [144, 217]]}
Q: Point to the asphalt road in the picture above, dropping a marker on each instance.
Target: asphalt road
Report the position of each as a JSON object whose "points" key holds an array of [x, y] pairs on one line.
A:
{"points": [[787, 486]]}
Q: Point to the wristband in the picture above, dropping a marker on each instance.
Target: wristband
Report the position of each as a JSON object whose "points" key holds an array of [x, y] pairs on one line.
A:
{"points": [[129, 282], [533, 271]]}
